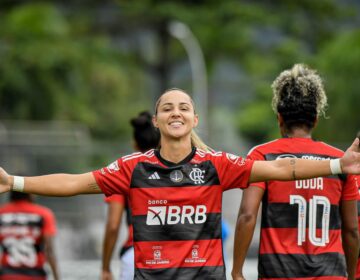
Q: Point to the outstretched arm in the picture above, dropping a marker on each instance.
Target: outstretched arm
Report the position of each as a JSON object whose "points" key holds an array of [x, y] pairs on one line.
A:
{"points": [[54, 184], [293, 169], [245, 226]]}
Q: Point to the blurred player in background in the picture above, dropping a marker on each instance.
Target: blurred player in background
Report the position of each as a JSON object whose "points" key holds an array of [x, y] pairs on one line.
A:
{"points": [[26, 236], [309, 227], [145, 137]]}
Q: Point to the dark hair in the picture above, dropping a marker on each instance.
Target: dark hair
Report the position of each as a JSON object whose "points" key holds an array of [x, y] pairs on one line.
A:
{"points": [[145, 134], [299, 96], [16, 196]]}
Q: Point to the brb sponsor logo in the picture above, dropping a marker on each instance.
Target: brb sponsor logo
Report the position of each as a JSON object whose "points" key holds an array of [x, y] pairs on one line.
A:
{"points": [[172, 215], [235, 159]]}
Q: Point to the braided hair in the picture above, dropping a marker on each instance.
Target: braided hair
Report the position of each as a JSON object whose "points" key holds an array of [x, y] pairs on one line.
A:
{"points": [[299, 96]]}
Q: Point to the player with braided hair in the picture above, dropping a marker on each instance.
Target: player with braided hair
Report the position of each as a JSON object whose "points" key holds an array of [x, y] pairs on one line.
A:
{"points": [[308, 227]]}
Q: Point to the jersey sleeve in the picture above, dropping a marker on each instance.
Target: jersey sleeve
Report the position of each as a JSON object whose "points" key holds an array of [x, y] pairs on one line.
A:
{"points": [[351, 188], [115, 178], [117, 198], [234, 171], [49, 223], [257, 155]]}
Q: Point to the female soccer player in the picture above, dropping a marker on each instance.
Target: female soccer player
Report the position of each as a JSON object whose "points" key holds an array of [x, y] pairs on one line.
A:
{"points": [[145, 137], [309, 227], [175, 192]]}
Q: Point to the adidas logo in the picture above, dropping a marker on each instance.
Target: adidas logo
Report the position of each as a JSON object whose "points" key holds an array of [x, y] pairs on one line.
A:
{"points": [[154, 176]]}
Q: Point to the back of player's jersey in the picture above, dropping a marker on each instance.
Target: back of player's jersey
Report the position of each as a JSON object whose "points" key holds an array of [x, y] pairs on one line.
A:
{"points": [[21, 237], [301, 222]]}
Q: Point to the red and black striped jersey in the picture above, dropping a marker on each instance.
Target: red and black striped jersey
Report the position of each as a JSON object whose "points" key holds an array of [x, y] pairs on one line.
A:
{"points": [[301, 222], [176, 210], [121, 199], [23, 226]]}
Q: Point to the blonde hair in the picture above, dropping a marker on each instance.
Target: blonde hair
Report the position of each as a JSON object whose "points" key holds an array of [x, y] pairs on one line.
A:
{"points": [[195, 138], [198, 143], [299, 95]]}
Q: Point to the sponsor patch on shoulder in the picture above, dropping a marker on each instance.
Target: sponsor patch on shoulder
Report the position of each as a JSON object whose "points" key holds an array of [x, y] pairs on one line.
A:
{"points": [[113, 167], [232, 158]]}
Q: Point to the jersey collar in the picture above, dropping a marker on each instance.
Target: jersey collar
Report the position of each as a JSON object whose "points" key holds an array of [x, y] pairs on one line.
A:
{"points": [[172, 164]]}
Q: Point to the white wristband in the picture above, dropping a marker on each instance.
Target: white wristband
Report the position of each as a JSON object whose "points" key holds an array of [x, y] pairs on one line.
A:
{"points": [[335, 166], [19, 183]]}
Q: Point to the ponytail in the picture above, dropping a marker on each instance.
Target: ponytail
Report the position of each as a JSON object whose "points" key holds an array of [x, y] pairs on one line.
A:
{"points": [[198, 143]]}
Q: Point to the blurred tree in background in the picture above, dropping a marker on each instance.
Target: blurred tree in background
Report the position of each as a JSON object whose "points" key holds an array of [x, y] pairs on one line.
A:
{"points": [[339, 62], [54, 67], [302, 32], [99, 63]]}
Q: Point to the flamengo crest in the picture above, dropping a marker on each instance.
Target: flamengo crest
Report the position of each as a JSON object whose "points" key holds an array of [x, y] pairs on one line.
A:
{"points": [[197, 175]]}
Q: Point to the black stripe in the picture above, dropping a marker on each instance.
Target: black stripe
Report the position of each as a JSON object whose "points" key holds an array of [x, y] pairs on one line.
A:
{"points": [[188, 273], [38, 224], [285, 215], [297, 265], [358, 207], [211, 229], [38, 272], [128, 213], [272, 156], [142, 176]]}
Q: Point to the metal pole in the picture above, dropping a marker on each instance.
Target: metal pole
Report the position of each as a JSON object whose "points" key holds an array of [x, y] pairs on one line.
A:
{"points": [[197, 64]]}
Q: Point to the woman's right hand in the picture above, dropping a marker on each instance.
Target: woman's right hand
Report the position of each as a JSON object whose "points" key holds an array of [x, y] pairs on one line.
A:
{"points": [[5, 182]]}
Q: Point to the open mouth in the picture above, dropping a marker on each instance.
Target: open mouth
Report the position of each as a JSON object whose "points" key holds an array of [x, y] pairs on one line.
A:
{"points": [[176, 124]]}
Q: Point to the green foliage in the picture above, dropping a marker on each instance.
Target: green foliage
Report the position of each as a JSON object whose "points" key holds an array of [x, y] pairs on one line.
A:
{"points": [[50, 70], [62, 63], [305, 32], [339, 64]]}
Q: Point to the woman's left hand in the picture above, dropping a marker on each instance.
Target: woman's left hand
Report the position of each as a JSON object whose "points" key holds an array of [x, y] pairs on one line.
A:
{"points": [[350, 162]]}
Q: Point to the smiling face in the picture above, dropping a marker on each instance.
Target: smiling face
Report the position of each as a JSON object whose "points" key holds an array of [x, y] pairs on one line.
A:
{"points": [[175, 115]]}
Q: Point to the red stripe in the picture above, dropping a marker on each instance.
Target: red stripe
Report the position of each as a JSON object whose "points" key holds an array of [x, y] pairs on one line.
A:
{"points": [[129, 241], [358, 269], [21, 277], [284, 241], [142, 198], [178, 254]]}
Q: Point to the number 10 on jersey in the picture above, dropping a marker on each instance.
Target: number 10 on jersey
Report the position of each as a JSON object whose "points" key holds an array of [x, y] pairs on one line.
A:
{"points": [[302, 213]]}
